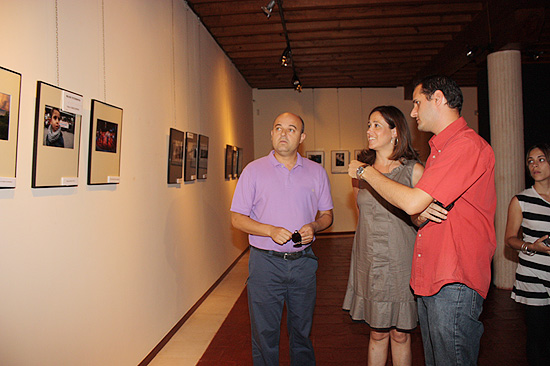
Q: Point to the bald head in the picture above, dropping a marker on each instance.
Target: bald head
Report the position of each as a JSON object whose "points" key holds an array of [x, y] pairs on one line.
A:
{"points": [[291, 116]]}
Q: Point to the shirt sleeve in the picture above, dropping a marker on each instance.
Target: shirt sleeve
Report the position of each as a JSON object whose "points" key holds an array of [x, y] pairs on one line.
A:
{"points": [[243, 197], [455, 170]]}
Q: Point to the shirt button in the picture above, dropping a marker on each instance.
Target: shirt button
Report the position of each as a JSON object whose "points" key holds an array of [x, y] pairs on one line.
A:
{"points": [[438, 150], [433, 157], [419, 235], [420, 255]]}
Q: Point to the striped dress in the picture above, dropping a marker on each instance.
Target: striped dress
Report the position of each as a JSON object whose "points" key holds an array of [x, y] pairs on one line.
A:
{"points": [[532, 286]]}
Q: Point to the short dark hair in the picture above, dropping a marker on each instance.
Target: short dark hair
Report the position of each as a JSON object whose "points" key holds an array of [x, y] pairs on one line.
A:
{"points": [[403, 150], [448, 87], [544, 147], [303, 124]]}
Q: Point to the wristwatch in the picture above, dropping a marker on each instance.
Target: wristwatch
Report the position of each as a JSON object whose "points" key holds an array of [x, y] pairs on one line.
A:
{"points": [[360, 171]]}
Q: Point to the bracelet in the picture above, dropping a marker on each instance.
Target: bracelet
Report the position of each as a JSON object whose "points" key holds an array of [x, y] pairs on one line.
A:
{"points": [[524, 249]]}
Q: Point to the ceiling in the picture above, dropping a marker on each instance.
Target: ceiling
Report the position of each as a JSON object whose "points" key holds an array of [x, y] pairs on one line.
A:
{"points": [[372, 43]]}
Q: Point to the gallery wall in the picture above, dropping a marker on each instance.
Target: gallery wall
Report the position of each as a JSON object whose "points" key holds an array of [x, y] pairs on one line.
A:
{"points": [[336, 119], [98, 275]]}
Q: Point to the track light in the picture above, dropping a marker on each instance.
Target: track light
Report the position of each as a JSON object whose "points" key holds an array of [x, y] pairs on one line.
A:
{"points": [[535, 55], [269, 8], [471, 52], [296, 83], [286, 57]]}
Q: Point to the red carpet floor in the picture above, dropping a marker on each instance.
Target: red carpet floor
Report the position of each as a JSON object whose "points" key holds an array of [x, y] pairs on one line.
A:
{"points": [[340, 341]]}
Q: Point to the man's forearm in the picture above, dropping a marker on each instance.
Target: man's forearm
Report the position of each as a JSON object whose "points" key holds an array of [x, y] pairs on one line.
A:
{"points": [[250, 226], [323, 221], [410, 200]]}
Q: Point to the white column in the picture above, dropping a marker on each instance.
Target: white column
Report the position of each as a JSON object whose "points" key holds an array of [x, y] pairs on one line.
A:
{"points": [[506, 115]]}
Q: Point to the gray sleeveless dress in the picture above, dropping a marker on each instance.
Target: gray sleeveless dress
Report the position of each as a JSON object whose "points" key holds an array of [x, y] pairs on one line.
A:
{"points": [[378, 289]]}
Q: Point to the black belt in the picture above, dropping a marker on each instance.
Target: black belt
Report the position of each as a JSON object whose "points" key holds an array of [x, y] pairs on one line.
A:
{"points": [[291, 255]]}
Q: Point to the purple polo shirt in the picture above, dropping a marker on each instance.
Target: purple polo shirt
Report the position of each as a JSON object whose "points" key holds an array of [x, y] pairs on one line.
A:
{"points": [[269, 193]]}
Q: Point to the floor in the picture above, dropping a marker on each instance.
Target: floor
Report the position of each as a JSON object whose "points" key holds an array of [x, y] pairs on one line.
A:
{"points": [[188, 345], [218, 332]]}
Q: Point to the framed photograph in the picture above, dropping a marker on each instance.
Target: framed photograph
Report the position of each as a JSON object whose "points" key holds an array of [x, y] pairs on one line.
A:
{"points": [[240, 161], [340, 161], [105, 139], [56, 137], [228, 162], [316, 156], [10, 94], [190, 162], [175, 156], [234, 162], [203, 157]]}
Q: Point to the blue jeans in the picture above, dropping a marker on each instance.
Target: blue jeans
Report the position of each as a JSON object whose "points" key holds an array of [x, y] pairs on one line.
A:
{"points": [[273, 281], [450, 326]]}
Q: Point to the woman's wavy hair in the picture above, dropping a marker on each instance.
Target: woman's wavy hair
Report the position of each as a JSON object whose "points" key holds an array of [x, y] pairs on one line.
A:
{"points": [[403, 150]]}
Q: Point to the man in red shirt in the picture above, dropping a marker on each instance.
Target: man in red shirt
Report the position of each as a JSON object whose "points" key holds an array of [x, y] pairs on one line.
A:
{"points": [[451, 269]]}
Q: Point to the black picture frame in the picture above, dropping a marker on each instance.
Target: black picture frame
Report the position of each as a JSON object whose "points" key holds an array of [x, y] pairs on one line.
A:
{"points": [[190, 160], [55, 164], [234, 163], [175, 156], [105, 143], [228, 162], [202, 156]]}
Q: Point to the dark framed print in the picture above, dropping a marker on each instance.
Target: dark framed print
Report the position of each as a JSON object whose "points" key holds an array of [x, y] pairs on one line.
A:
{"points": [[235, 159], [190, 162], [340, 161], [10, 95], [202, 164], [240, 161], [105, 143], [228, 162], [316, 156], [56, 137], [175, 156]]}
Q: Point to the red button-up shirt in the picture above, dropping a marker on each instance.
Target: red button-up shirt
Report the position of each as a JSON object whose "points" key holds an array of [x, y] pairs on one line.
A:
{"points": [[460, 169]]}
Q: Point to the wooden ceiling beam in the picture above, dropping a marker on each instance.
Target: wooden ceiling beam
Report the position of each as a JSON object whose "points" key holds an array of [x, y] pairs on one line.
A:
{"points": [[381, 38], [211, 8], [335, 50], [456, 14], [362, 26], [332, 45]]}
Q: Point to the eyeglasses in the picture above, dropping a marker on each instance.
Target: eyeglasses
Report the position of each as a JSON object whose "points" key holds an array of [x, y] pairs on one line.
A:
{"points": [[297, 239]]}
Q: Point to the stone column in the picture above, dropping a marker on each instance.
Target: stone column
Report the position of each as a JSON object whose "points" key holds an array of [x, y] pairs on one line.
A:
{"points": [[506, 119]]}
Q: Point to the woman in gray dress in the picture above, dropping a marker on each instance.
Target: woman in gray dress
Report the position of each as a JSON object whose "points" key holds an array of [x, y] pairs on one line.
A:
{"points": [[378, 289]]}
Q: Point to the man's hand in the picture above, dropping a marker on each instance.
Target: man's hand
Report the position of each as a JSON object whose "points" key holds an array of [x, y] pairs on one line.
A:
{"points": [[306, 232], [433, 212], [280, 235]]}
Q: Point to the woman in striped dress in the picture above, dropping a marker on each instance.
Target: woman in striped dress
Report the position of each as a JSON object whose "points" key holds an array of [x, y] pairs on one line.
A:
{"points": [[527, 229]]}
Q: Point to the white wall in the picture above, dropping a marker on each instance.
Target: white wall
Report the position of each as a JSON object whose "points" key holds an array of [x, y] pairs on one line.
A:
{"points": [[336, 119], [97, 275]]}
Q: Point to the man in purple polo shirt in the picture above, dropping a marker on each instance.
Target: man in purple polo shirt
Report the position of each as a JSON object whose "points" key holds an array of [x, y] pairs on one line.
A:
{"points": [[277, 196]]}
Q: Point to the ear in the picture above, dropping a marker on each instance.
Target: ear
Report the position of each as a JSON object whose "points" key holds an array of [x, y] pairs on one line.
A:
{"points": [[439, 98], [394, 132], [302, 137]]}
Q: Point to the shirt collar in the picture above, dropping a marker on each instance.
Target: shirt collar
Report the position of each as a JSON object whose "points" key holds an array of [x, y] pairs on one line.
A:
{"points": [[275, 162], [441, 139]]}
